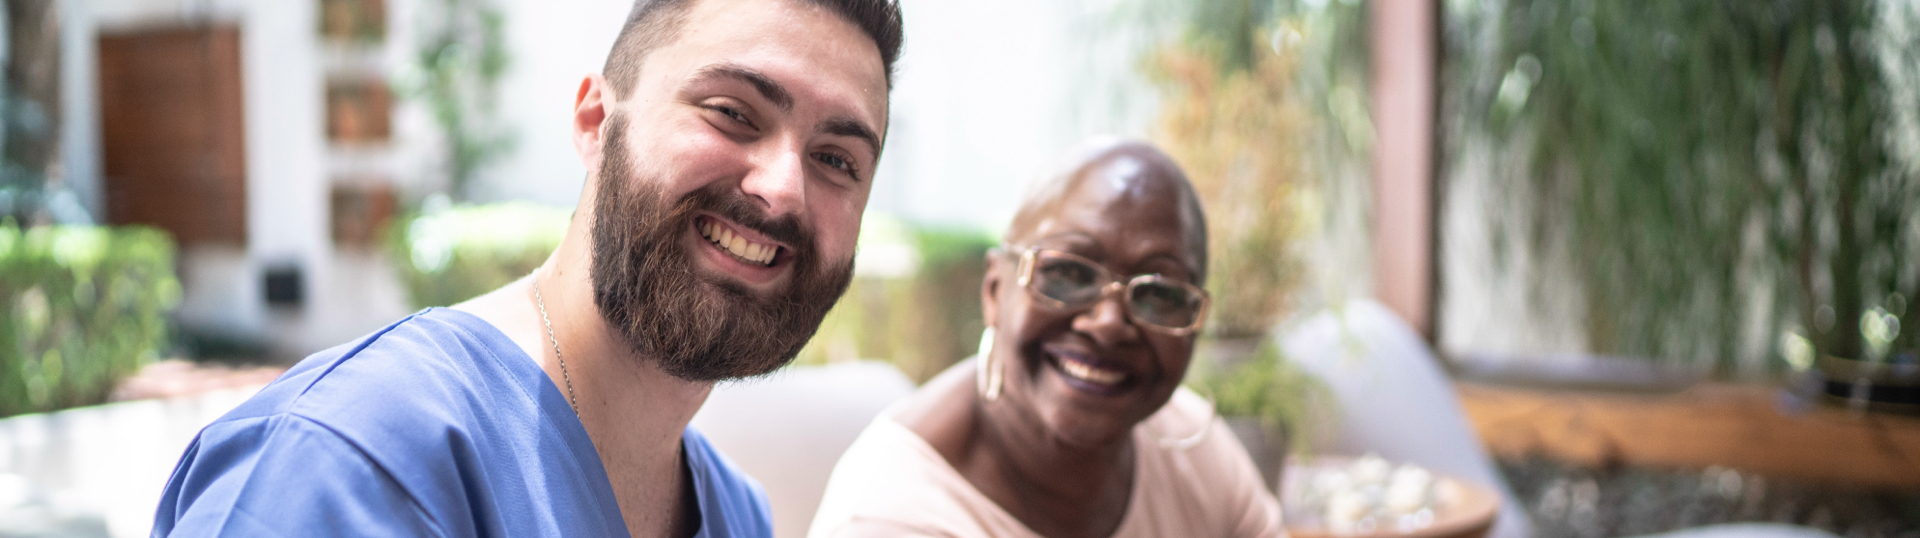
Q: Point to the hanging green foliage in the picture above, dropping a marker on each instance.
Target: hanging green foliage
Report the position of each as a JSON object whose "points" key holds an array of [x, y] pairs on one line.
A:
{"points": [[1709, 163]]}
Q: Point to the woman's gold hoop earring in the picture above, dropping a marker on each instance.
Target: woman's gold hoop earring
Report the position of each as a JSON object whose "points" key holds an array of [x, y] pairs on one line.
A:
{"points": [[987, 377]]}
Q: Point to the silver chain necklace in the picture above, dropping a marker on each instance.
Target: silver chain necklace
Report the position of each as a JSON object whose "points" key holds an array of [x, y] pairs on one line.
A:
{"points": [[542, 303]]}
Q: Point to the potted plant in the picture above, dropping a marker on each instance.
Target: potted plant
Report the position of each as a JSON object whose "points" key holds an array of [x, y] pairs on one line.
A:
{"points": [[1271, 404], [1233, 116]]}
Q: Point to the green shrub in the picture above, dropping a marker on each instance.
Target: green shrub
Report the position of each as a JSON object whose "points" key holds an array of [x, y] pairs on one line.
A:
{"points": [[1267, 386], [455, 254], [81, 308], [923, 319]]}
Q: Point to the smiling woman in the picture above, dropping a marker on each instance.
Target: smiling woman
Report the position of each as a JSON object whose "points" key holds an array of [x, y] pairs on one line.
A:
{"points": [[1070, 422]]}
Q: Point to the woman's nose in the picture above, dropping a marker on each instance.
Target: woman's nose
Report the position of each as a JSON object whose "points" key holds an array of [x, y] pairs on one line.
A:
{"points": [[1107, 320]]}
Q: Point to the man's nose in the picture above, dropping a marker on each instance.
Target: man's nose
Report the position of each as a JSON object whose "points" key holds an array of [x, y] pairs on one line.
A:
{"points": [[778, 179]]}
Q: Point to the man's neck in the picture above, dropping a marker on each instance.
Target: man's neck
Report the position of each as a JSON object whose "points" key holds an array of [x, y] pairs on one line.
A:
{"points": [[634, 412]]}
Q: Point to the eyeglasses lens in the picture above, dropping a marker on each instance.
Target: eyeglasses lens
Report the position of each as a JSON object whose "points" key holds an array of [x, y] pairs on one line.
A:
{"points": [[1151, 300], [1067, 281], [1163, 304]]}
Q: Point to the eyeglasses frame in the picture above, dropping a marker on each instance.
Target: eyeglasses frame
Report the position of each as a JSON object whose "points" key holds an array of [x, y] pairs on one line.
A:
{"points": [[1026, 268]]}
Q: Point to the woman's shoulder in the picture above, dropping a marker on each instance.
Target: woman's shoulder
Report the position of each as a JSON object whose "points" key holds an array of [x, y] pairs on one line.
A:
{"points": [[941, 411], [1185, 415], [1187, 432], [1194, 474], [891, 478]]}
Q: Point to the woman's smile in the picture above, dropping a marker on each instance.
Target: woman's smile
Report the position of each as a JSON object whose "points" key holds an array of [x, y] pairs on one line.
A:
{"points": [[1071, 418], [1088, 373]]}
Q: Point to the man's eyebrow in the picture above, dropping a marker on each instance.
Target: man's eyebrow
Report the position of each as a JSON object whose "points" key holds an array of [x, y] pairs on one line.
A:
{"points": [[774, 92], [845, 126], [769, 89]]}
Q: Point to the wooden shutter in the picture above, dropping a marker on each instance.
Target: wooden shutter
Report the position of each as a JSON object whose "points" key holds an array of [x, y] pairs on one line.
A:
{"points": [[174, 139]]}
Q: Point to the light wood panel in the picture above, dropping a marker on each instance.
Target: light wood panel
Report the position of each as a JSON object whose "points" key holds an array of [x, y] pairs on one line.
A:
{"points": [[1749, 428]]}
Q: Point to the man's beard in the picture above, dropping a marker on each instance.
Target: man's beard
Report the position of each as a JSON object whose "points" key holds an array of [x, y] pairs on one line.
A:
{"points": [[698, 328]]}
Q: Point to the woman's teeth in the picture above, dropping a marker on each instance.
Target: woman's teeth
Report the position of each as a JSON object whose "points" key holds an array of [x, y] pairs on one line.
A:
{"points": [[740, 247], [1087, 372]]}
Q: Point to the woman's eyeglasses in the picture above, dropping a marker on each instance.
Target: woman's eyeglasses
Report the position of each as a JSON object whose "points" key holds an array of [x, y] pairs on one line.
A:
{"points": [[1064, 281]]}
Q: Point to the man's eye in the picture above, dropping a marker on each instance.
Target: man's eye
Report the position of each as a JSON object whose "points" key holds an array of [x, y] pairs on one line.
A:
{"points": [[835, 161], [731, 113]]}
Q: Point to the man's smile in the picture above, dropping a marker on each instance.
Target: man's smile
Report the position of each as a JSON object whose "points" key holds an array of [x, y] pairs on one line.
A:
{"points": [[736, 243], [748, 256]]}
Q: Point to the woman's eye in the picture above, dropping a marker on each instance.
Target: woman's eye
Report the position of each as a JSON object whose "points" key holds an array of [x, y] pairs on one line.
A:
{"points": [[1159, 297], [1072, 274]]}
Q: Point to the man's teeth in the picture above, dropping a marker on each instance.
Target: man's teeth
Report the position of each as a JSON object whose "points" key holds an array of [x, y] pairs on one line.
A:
{"points": [[1086, 372], [739, 246]]}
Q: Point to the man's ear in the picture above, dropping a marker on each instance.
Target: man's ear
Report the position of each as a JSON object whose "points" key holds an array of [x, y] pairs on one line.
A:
{"points": [[990, 289], [589, 119]]}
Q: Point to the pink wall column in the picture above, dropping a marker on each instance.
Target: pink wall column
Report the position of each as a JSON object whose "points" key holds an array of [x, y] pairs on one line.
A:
{"points": [[1405, 52]]}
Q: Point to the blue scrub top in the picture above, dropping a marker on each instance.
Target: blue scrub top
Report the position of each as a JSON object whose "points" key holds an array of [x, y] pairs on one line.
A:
{"points": [[437, 425]]}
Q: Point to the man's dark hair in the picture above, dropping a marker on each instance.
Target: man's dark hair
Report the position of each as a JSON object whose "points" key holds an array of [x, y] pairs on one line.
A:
{"points": [[653, 23]]}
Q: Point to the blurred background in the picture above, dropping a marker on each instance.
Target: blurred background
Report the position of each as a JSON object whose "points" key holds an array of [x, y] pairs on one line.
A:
{"points": [[1632, 266]]}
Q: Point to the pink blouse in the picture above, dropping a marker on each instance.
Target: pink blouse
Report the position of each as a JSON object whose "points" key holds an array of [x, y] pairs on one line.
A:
{"points": [[1193, 479]]}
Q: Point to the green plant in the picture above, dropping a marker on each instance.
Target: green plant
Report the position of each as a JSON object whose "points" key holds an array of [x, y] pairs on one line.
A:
{"points": [[81, 308], [1239, 118], [1233, 119], [915, 301], [1267, 386], [454, 254], [1712, 164], [457, 74], [30, 112]]}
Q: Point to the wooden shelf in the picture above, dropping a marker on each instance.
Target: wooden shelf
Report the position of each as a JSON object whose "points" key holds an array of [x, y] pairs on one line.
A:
{"points": [[1750, 428]]}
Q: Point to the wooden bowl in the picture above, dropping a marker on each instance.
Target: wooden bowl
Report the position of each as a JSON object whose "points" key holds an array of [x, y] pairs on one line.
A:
{"points": [[1462, 509]]}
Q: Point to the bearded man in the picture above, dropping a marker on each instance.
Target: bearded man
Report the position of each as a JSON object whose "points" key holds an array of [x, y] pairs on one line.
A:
{"points": [[730, 147]]}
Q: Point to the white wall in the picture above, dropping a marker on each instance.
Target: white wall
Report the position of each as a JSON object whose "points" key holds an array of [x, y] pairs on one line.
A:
{"points": [[288, 183], [554, 45], [80, 117], [987, 93]]}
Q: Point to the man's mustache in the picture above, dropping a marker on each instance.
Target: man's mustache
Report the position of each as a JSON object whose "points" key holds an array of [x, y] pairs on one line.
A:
{"points": [[734, 206]]}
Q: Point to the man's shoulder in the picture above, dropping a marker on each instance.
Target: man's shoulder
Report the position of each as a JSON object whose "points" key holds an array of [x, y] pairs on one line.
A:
{"points": [[437, 382], [431, 408], [280, 474], [732, 504], [431, 360]]}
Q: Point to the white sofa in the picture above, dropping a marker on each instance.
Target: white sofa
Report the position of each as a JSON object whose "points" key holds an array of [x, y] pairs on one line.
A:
{"points": [[788, 429], [1394, 398]]}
